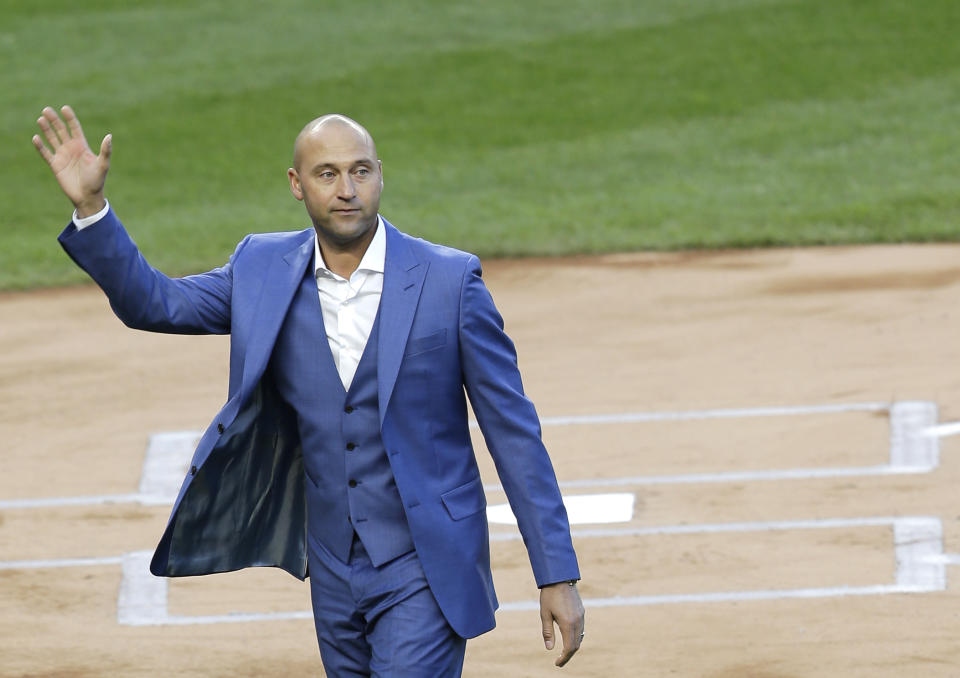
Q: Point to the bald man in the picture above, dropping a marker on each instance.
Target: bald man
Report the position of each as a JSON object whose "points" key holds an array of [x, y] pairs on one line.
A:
{"points": [[343, 451]]}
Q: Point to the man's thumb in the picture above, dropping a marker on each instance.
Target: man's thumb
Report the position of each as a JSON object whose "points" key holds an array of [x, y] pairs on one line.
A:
{"points": [[106, 147], [547, 633]]}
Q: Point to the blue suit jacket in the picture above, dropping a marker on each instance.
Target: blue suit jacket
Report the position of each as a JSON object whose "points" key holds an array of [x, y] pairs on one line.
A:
{"points": [[242, 504]]}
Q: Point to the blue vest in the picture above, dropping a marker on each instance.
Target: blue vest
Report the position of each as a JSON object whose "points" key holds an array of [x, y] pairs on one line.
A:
{"points": [[349, 483]]}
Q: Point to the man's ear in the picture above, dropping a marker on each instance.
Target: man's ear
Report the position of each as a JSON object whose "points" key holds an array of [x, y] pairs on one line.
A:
{"points": [[294, 177], [380, 164]]}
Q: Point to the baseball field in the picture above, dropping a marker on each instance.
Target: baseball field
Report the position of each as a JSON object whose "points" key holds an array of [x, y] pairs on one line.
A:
{"points": [[719, 231]]}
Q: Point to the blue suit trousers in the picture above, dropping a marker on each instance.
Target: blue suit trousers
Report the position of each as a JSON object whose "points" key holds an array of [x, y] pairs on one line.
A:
{"points": [[382, 621]]}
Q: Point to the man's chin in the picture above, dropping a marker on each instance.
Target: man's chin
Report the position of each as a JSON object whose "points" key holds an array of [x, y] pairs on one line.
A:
{"points": [[346, 230]]}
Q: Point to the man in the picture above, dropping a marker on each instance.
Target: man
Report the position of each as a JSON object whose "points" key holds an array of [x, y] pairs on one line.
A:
{"points": [[343, 450]]}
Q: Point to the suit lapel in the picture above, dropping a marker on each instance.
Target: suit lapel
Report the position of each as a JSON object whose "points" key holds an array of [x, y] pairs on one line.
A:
{"points": [[403, 277], [278, 285]]}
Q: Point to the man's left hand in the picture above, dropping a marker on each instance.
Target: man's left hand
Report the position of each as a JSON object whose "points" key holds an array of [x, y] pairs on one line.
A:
{"points": [[561, 603]]}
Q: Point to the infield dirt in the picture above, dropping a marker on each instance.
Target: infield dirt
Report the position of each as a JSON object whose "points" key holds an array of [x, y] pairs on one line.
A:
{"points": [[612, 334]]}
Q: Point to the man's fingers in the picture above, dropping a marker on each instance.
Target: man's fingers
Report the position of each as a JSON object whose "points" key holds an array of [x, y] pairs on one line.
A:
{"points": [[42, 149], [566, 656], [571, 642], [57, 124], [49, 134], [73, 123]]}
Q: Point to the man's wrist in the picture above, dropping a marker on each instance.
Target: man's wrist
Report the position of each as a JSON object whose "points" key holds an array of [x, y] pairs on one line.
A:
{"points": [[90, 207], [81, 222]]}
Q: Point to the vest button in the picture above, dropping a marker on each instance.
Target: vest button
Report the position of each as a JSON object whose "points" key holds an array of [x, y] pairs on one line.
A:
{"points": [[219, 427], [348, 409], [351, 446], [352, 483]]}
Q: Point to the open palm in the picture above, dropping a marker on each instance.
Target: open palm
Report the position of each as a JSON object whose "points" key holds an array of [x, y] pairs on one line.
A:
{"points": [[80, 173]]}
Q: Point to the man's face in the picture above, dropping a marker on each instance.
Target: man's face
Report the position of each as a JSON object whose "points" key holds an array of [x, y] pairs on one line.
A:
{"points": [[339, 179]]}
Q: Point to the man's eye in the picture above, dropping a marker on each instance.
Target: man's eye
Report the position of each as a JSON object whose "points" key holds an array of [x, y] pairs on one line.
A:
{"points": [[363, 171], [326, 175]]}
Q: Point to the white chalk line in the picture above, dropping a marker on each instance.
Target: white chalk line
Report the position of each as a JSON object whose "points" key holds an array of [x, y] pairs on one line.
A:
{"points": [[591, 603], [918, 543], [716, 528], [584, 483], [63, 562], [947, 428], [627, 481], [944, 559], [722, 413], [49, 502], [727, 596], [702, 528], [910, 451], [184, 620], [920, 568], [739, 476], [168, 456], [533, 605]]}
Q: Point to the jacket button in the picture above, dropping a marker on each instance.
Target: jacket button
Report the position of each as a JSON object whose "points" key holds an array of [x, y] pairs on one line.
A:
{"points": [[351, 446], [348, 409], [219, 427], [352, 483], [193, 470]]}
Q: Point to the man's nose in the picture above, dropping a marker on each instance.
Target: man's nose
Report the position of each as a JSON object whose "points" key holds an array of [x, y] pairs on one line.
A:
{"points": [[345, 188]]}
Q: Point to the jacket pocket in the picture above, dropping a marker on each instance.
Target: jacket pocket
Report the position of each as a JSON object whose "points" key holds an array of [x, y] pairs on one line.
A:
{"points": [[465, 500], [426, 343]]}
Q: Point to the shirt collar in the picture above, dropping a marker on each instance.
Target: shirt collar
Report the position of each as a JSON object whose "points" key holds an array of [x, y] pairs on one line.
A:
{"points": [[373, 259]]}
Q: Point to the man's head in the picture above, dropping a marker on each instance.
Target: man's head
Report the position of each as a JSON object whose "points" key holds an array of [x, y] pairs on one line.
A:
{"points": [[337, 175]]}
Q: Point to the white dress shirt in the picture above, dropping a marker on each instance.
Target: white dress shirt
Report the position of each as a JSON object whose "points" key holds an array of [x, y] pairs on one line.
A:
{"points": [[349, 306]]}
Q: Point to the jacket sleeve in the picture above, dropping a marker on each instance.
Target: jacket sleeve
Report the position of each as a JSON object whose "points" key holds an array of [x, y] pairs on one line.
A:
{"points": [[511, 429], [143, 297]]}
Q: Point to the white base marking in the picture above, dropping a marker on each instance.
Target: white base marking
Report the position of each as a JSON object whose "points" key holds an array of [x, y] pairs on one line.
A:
{"points": [[581, 509]]}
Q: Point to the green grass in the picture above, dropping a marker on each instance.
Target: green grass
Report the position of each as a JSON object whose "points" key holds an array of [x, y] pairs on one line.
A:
{"points": [[505, 128]]}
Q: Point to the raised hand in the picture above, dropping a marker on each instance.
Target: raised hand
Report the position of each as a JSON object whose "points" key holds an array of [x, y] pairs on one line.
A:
{"points": [[80, 173]]}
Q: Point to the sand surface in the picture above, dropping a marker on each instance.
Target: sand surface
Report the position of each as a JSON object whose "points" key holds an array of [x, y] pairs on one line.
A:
{"points": [[611, 335]]}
